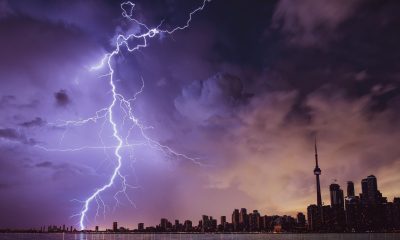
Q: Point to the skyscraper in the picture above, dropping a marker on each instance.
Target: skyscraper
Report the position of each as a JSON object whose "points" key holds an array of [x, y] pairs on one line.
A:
{"points": [[350, 189], [301, 219], [372, 188], [336, 193], [177, 226], [336, 217], [243, 220], [255, 221], [235, 219], [373, 205], [115, 226], [314, 217], [164, 224], [206, 223], [140, 227], [317, 172], [223, 220], [370, 193], [188, 225]]}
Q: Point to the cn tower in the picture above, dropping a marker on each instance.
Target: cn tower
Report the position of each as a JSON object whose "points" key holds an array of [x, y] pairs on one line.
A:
{"points": [[317, 172]]}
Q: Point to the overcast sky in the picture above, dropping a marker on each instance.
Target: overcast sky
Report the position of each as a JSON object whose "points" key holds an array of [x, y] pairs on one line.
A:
{"points": [[244, 90]]}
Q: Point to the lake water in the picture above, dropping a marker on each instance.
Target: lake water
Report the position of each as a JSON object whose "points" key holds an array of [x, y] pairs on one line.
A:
{"points": [[100, 236]]}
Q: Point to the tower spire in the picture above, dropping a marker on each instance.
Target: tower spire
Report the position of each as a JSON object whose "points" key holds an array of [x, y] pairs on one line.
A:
{"points": [[317, 172], [316, 151]]}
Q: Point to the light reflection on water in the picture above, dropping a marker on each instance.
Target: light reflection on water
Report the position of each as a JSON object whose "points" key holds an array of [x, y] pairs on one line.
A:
{"points": [[102, 236]]}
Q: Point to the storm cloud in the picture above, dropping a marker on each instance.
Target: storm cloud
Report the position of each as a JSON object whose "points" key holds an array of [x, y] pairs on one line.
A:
{"points": [[62, 98]]}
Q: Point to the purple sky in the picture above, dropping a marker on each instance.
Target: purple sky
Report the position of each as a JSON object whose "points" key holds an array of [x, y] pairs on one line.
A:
{"points": [[244, 89]]}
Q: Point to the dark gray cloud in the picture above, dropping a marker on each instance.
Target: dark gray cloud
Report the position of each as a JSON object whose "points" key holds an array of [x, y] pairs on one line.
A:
{"points": [[6, 100], [10, 101], [311, 23], [5, 9], [215, 97], [14, 135], [37, 122], [92, 17], [62, 98], [9, 133], [44, 164]]}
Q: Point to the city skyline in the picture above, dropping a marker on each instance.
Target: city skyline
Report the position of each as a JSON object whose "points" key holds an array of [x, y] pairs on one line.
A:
{"points": [[299, 223], [241, 218], [337, 199], [135, 110], [336, 196]]}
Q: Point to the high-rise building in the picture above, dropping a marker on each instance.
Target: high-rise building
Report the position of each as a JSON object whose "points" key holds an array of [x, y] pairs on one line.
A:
{"points": [[350, 189], [301, 219], [164, 224], [396, 213], [96, 229], [223, 226], [265, 223], [140, 227], [200, 225], [206, 223], [254, 221], [336, 220], [213, 225], [317, 172], [177, 226], [314, 218], [115, 226], [223, 221], [373, 214], [337, 199], [243, 220], [364, 190], [372, 185], [235, 219], [370, 193], [353, 214], [188, 226]]}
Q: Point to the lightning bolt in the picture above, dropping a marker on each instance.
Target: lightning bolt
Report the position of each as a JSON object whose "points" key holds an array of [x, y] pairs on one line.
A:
{"points": [[125, 105]]}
